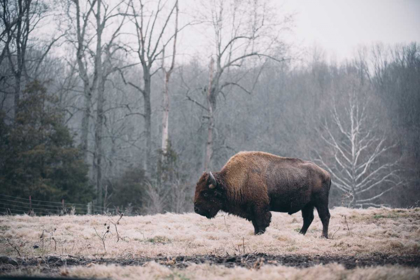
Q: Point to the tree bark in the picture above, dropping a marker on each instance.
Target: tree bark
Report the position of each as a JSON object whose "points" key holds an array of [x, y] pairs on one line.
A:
{"points": [[165, 117], [85, 120], [167, 76], [147, 118], [211, 104], [87, 86], [98, 154]]}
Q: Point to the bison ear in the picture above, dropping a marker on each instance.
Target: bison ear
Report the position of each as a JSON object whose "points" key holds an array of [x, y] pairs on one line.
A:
{"points": [[212, 181]]}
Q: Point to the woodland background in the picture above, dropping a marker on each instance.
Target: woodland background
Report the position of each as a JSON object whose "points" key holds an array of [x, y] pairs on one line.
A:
{"points": [[101, 102]]}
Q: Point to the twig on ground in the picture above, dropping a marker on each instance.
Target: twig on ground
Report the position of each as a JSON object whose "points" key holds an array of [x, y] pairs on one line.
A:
{"points": [[53, 239], [42, 240], [332, 236], [55, 243], [347, 224], [14, 247]]}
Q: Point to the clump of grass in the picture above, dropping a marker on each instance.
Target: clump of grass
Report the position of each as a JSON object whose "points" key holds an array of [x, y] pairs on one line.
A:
{"points": [[292, 249], [177, 276], [159, 240], [4, 228], [380, 216]]}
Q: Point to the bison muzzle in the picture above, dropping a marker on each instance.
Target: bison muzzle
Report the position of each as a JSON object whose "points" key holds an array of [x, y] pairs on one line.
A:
{"points": [[251, 184]]}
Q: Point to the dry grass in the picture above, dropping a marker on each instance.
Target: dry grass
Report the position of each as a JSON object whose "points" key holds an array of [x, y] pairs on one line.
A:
{"points": [[353, 232], [153, 270]]}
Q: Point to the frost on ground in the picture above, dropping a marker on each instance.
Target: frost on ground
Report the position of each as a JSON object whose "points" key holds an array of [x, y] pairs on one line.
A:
{"points": [[353, 232]]}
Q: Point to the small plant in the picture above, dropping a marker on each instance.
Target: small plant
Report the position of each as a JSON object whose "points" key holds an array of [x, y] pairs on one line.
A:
{"points": [[346, 224], [14, 247], [103, 235], [116, 228]]}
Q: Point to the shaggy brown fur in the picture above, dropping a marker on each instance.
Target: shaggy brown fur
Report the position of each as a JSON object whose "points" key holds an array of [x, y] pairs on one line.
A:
{"points": [[251, 184]]}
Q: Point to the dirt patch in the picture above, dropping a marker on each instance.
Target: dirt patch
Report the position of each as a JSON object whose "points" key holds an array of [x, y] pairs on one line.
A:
{"points": [[50, 264]]}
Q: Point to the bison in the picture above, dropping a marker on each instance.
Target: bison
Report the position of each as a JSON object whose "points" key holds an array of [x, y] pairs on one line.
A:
{"points": [[251, 184]]}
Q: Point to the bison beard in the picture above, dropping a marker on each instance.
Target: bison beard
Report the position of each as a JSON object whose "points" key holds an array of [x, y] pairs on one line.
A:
{"points": [[251, 184]]}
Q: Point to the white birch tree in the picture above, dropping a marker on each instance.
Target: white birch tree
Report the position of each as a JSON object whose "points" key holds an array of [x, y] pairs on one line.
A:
{"points": [[153, 34], [363, 163], [167, 75]]}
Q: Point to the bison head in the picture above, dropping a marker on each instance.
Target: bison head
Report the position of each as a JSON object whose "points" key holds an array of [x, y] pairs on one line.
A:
{"points": [[208, 199]]}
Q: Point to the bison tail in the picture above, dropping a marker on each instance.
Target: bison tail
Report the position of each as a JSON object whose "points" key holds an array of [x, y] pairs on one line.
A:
{"points": [[327, 186], [328, 183]]}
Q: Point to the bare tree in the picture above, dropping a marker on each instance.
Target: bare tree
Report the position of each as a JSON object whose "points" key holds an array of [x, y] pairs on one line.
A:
{"points": [[10, 14], [102, 14], [20, 19], [362, 162], [152, 28], [243, 32], [80, 39]]}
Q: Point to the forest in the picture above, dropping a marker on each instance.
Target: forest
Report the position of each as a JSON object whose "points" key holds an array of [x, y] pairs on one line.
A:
{"points": [[121, 105]]}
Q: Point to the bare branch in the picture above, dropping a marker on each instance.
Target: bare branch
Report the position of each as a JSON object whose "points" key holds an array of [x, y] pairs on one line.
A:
{"points": [[197, 103]]}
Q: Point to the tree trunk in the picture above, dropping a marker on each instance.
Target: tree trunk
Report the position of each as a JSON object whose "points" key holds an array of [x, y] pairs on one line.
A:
{"points": [[148, 119], [85, 121], [97, 160], [98, 141], [17, 92], [211, 104], [20, 59], [87, 89], [165, 118]]}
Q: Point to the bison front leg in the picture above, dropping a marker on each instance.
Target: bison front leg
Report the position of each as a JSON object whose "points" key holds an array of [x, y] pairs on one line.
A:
{"points": [[261, 221]]}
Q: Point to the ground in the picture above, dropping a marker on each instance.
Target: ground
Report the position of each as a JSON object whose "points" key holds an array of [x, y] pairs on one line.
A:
{"points": [[369, 244]]}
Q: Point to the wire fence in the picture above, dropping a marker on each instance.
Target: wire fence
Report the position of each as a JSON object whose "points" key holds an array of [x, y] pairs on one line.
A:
{"points": [[11, 205]]}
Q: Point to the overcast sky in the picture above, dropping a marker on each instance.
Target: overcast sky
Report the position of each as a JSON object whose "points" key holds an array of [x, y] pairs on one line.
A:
{"points": [[339, 26]]}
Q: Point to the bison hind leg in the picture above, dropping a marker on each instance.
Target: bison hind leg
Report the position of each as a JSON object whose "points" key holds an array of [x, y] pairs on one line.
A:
{"points": [[321, 204], [324, 215], [308, 217]]}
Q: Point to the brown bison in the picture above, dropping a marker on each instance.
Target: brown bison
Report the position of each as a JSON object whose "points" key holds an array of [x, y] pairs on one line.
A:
{"points": [[251, 184]]}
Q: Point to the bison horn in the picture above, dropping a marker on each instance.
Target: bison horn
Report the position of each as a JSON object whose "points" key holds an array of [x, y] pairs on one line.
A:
{"points": [[212, 180]]}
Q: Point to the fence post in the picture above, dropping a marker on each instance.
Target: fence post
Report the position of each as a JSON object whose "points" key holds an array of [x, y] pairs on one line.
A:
{"points": [[62, 205], [89, 208]]}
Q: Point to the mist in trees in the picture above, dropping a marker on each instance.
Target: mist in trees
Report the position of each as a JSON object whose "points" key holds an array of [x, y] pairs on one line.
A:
{"points": [[110, 108]]}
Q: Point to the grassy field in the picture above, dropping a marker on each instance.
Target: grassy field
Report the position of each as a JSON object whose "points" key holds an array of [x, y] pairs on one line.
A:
{"points": [[358, 233]]}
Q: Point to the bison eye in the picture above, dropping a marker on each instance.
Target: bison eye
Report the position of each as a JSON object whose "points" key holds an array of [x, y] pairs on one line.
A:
{"points": [[205, 194]]}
